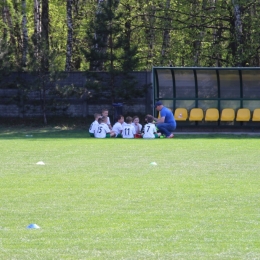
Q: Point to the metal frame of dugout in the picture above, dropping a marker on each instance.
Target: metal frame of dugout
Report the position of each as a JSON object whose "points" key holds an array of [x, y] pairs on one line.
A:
{"points": [[200, 87]]}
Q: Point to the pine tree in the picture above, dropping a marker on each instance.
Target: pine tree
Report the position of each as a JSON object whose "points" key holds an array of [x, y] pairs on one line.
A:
{"points": [[112, 51]]}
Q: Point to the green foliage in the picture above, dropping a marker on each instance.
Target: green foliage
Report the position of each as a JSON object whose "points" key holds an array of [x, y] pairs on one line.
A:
{"points": [[111, 49], [136, 35]]}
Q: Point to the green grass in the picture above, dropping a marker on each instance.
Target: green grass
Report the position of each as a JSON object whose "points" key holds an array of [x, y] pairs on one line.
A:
{"points": [[101, 199]]}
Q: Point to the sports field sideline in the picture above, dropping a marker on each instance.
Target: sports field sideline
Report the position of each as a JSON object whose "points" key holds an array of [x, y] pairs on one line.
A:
{"points": [[105, 199]]}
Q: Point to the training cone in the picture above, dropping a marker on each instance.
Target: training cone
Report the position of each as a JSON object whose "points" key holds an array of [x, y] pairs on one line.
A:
{"points": [[40, 163], [33, 226], [153, 163]]}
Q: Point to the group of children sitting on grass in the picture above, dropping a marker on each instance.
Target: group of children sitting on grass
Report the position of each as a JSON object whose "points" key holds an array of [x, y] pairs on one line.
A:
{"points": [[128, 128]]}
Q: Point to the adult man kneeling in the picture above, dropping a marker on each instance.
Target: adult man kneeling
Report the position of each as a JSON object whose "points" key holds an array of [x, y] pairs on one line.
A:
{"points": [[166, 124]]}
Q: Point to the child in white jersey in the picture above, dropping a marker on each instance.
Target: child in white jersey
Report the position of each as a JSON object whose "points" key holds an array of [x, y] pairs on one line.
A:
{"points": [[118, 126], [102, 130], [150, 130], [94, 124], [128, 128], [105, 113], [137, 126]]}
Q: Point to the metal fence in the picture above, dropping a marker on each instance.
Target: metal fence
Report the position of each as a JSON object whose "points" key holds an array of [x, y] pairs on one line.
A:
{"points": [[19, 97]]}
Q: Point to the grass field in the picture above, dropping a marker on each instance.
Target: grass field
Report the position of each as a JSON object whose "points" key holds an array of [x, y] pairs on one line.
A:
{"points": [[101, 199]]}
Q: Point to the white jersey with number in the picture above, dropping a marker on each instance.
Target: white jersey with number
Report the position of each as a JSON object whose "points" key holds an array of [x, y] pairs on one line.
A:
{"points": [[101, 130], [149, 130], [128, 131], [117, 128], [93, 126]]}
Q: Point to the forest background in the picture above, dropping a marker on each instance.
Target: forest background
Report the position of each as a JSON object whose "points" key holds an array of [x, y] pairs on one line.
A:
{"points": [[121, 36], [128, 35]]}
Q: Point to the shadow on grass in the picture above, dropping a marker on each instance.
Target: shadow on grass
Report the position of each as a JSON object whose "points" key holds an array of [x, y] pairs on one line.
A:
{"points": [[66, 132], [58, 127], [39, 133]]}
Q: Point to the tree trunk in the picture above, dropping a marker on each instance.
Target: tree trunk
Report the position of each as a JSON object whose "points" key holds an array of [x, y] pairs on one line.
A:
{"points": [[45, 36], [37, 28], [5, 12], [70, 36], [17, 32], [98, 64], [148, 17], [13, 28], [166, 33], [200, 35], [44, 71], [25, 34], [238, 32], [77, 11]]}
